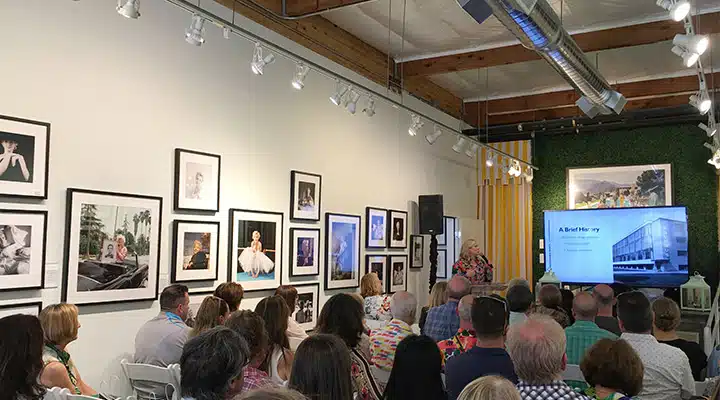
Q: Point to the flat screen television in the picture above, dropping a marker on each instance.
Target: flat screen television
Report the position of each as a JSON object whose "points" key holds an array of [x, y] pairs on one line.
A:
{"points": [[645, 247]]}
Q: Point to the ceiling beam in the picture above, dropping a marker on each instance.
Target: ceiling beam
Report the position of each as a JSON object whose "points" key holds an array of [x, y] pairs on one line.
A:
{"points": [[301, 7], [607, 39]]}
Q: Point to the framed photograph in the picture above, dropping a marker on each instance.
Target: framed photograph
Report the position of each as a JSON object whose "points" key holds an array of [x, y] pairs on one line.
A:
{"points": [[255, 249], [376, 228], [24, 157], [398, 273], [304, 252], [21, 308], [397, 229], [197, 181], [450, 239], [442, 264], [417, 251], [23, 236], [132, 223], [342, 251], [442, 239], [305, 196], [195, 250], [306, 310], [378, 265], [619, 187]]}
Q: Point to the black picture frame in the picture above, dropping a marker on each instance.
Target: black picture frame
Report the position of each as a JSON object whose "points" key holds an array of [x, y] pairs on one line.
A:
{"points": [[368, 227], [391, 213], [292, 254], [173, 265], [44, 215], [294, 213], [421, 239], [37, 304], [385, 271], [176, 195], [301, 288], [391, 271], [450, 234], [46, 126], [352, 282], [442, 264]]}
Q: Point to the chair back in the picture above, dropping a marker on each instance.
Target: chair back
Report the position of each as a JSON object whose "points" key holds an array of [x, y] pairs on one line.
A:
{"points": [[381, 376], [573, 373], [700, 387], [169, 377]]}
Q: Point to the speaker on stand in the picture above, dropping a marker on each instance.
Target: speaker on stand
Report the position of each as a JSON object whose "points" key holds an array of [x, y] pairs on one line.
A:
{"points": [[431, 223]]}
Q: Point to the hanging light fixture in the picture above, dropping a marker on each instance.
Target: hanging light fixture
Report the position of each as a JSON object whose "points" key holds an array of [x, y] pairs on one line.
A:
{"points": [[515, 170], [129, 8], [529, 175], [259, 62], [470, 152], [370, 109], [689, 58], [458, 147], [351, 101], [433, 137], [715, 159], [415, 125], [490, 159], [710, 130], [340, 90], [701, 101], [695, 43], [194, 34], [298, 81], [679, 9]]}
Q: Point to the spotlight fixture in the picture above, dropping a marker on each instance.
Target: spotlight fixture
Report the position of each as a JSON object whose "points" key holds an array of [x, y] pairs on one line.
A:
{"points": [[301, 71], [340, 91], [370, 109], [259, 62], [226, 32], [490, 160], [129, 8], [529, 174], [710, 130], [701, 101], [689, 58], [470, 152], [515, 170], [194, 34], [415, 125], [458, 147], [679, 9], [351, 101], [694, 43], [715, 159], [433, 137]]}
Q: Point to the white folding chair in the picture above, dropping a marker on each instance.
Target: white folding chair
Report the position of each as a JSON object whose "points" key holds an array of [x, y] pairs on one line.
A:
{"points": [[573, 373], [140, 374]]}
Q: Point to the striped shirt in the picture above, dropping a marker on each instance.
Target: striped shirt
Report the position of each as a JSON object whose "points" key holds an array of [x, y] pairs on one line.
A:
{"points": [[384, 341], [581, 336]]}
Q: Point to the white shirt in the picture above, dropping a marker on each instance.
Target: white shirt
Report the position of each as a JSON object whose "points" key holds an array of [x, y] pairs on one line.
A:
{"points": [[667, 370]]}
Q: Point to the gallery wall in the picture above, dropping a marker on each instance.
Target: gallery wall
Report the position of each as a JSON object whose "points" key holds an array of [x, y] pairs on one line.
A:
{"points": [[122, 95]]}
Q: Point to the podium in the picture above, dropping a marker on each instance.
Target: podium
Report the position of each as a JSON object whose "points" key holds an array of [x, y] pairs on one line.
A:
{"points": [[486, 289]]}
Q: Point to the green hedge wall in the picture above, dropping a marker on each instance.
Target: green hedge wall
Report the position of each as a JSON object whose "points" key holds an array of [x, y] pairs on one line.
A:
{"points": [[694, 181]]}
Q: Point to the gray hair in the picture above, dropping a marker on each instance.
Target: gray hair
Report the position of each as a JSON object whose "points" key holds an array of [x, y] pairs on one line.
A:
{"points": [[537, 347], [458, 287], [403, 306], [518, 282], [465, 308], [490, 388]]}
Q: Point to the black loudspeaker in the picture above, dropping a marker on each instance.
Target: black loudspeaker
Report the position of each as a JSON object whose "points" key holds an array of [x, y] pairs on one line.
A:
{"points": [[431, 214]]}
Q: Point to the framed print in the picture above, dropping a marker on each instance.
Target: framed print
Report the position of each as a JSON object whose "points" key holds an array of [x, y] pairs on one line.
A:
{"points": [[450, 238], [376, 228], [132, 222], [442, 264], [442, 239], [417, 251], [378, 265], [23, 236], [255, 249], [397, 229], [197, 181], [619, 187], [24, 159], [306, 310], [342, 251], [33, 308], [195, 251], [304, 252], [399, 273], [305, 196]]}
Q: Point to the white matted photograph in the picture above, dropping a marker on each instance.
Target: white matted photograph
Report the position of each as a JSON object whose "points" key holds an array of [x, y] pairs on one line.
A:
{"points": [[22, 249], [306, 309], [305, 196], [255, 249], [442, 264], [304, 252], [417, 251], [397, 229], [24, 154], [376, 228], [379, 265], [398, 273], [195, 251], [342, 251], [33, 308], [197, 181]]}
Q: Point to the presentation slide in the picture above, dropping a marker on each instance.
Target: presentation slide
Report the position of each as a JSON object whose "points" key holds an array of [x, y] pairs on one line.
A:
{"points": [[637, 246]]}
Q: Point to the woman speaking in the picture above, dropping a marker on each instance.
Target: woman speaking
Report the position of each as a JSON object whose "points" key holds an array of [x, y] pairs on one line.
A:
{"points": [[473, 264]]}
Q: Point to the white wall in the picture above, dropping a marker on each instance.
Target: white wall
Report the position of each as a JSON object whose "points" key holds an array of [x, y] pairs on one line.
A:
{"points": [[122, 95]]}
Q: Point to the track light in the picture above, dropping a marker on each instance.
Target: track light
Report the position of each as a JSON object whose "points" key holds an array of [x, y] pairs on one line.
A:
{"points": [[694, 43], [701, 101], [340, 91], [129, 8], [351, 101], [259, 62], [370, 109], [415, 125], [689, 58], [529, 174], [194, 34], [679, 9], [715, 159], [515, 169], [472, 150], [433, 137], [710, 130], [458, 147], [490, 160], [298, 81]]}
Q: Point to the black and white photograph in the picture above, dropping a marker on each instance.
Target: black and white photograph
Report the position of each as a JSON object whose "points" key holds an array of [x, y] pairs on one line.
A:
{"points": [[451, 239], [22, 249], [376, 228], [397, 229], [255, 254], [195, 251], [305, 194], [342, 253], [304, 252], [379, 265], [398, 273], [442, 264], [306, 309], [129, 222], [24, 154], [33, 308], [197, 181], [417, 251]]}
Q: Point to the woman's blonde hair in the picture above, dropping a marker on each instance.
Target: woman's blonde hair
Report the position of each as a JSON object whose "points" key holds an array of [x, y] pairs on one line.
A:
{"points": [[667, 314], [438, 294], [209, 313], [489, 388], [466, 246], [370, 285], [59, 323]]}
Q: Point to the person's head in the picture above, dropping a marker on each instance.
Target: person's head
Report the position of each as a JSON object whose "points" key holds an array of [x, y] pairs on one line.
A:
{"points": [[584, 307], [403, 306], [305, 246], [199, 178], [605, 297], [273, 393], [438, 294], [666, 314], [550, 296], [567, 299], [211, 365], [321, 369], [197, 246], [469, 249], [60, 323], [613, 364], [634, 313], [416, 370], [252, 328], [231, 292], [120, 240], [490, 388], [289, 294], [370, 285], [213, 311], [175, 299], [342, 316], [489, 318], [537, 349], [275, 312], [458, 287], [518, 282], [519, 298], [21, 357], [256, 235], [464, 311], [110, 248]]}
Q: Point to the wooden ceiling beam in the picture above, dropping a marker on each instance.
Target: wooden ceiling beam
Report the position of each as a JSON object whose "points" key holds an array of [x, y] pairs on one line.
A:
{"points": [[301, 7]]}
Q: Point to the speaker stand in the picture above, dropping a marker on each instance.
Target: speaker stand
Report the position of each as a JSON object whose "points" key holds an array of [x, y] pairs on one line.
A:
{"points": [[433, 260]]}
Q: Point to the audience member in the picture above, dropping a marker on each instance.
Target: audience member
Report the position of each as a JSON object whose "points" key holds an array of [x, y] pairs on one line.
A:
{"points": [[613, 370], [667, 369], [438, 297], [665, 323], [384, 341], [488, 357], [567, 303], [60, 327], [363, 345], [605, 297], [273, 394], [278, 359], [551, 305], [21, 351], [251, 327], [520, 299], [213, 311], [211, 366], [537, 349], [490, 388], [416, 371], [442, 322], [321, 369], [464, 339], [518, 282], [584, 332], [342, 316], [295, 332], [376, 305], [232, 293]]}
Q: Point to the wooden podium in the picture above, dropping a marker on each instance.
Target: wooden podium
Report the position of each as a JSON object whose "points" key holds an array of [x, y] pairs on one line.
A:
{"points": [[486, 289]]}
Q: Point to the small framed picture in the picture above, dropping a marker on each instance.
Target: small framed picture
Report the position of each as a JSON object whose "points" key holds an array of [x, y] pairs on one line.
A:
{"points": [[442, 264], [306, 310], [450, 241], [442, 239], [417, 251], [305, 196], [397, 229], [195, 251], [255, 249], [378, 265], [197, 181], [33, 308], [23, 235], [398, 273], [304, 252], [376, 228], [24, 157], [342, 251]]}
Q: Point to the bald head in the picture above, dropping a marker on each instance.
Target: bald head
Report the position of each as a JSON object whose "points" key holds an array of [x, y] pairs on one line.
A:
{"points": [[604, 295], [537, 349], [458, 287], [403, 306], [584, 307], [465, 308]]}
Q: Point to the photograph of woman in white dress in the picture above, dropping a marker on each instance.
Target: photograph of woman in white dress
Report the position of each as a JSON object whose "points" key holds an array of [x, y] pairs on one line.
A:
{"points": [[306, 199], [253, 260]]}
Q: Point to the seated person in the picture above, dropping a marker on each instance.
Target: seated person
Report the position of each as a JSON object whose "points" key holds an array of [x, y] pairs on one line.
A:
{"points": [[438, 297], [376, 305], [464, 339], [665, 323], [520, 300], [584, 332], [21, 352], [443, 322], [605, 297], [613, 370], [551, 305], [384, 341], [252, 328], [232, 293]]}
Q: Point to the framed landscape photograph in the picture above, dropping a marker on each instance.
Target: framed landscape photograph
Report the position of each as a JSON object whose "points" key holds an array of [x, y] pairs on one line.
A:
{"points": [[306, 310], [304, 252], [255, 249], [24, 157], [23, 236], [442, 264], [397, 229], [398, 273], [376, 228], [305, 196], [197, 181], [342, 253], [378, 265], [129, 222], [33, 308], [195, 251], [619, 187], [417, 251]]}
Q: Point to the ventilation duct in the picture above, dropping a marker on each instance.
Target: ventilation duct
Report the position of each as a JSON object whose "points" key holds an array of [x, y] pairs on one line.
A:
{"points": [[538, 28]]}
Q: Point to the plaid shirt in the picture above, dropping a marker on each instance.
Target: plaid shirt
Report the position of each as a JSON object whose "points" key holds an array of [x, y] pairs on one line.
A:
{"points": [[384, 341], [253, 378], [556, 390], [461, 342], [442, 321], [581, 336]]}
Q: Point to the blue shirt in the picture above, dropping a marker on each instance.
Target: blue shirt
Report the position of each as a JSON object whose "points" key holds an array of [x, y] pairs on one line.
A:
{"points": [[475, 363], [442, 321]]}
